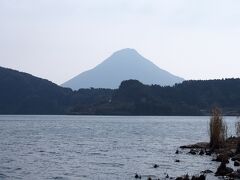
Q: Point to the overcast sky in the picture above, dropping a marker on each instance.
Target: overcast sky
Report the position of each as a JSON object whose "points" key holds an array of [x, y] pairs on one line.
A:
{"points": [[58, 39]]}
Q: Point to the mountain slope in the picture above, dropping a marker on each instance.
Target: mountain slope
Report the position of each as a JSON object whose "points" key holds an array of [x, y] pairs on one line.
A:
{"points": [[22, 93], [122, 65]]}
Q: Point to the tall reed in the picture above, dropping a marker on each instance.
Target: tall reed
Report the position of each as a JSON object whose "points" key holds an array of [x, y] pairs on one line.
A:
{"points": [[237, 127], [217, 129]]}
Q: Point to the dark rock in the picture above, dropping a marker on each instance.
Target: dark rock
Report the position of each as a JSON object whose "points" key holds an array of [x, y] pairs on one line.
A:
{"points": [[222, 158], [155, 166], [193, 152], [200, 145], [201, 177], [238, 149], [230, 153], [167, 176], [179, 178], [149, 178], [201, 152], [208, 153], [137, 176], [234, 175], [231, 138], [185, 177], [177, 160], [207, 171], [223, 170], [194, 178], [177, 151], [236, 157], [236, 163]]}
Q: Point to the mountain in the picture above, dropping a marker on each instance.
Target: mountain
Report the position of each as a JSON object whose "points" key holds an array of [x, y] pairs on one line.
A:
{"points": [[22, 93], [122, 65]]}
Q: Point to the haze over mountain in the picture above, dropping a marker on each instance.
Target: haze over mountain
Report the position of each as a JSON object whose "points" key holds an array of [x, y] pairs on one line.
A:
{"points": [[122, 65]]}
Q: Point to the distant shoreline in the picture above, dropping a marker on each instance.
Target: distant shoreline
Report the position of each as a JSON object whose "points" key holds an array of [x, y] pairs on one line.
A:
{"points": [[112, 115]]}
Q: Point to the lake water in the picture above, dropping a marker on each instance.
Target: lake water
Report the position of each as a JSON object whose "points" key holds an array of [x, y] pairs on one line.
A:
{"points": [[100, 147]]}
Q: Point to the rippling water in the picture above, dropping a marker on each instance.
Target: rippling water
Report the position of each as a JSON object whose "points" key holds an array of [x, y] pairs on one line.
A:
{"points": [[99, 147]]}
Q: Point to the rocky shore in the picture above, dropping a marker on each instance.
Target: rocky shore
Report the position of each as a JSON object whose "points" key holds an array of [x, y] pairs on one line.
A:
{"points": [[228, 156], [229, 153]]}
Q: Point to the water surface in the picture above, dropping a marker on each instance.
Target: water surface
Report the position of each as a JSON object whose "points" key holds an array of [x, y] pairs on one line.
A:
{"points": [[99, 147]]}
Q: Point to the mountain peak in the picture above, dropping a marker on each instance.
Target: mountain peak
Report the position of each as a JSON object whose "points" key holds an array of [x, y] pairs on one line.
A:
{"points": [[126, 52]]}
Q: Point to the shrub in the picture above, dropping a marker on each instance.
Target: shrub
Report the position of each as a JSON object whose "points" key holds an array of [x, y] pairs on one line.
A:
{"points": [[217, 129]]}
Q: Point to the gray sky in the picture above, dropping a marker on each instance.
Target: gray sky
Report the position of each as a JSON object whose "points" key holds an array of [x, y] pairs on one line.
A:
{"points": [[58, 39]]}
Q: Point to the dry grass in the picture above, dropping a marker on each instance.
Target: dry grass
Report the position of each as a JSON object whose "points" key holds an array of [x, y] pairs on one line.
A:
{"points": [[217, 129], [237, 127]]}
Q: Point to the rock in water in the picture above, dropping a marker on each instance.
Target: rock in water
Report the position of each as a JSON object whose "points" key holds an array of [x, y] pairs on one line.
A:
{"points": [[201, 152], [207, 171], [201, 177], [137, 176], [236, 163]]}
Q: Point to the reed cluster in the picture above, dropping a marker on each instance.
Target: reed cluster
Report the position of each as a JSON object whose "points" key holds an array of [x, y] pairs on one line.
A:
{"points": [[217, 129]]}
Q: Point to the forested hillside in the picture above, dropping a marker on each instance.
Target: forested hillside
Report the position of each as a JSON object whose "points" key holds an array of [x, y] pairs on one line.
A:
{"points": [[187, 98], [22, 93]]}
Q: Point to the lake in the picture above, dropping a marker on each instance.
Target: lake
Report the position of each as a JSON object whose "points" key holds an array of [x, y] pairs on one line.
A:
{"points": [[101, 147]]}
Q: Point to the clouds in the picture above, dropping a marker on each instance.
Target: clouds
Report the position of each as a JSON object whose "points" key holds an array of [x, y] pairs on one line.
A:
{"points": [[75, 35], [174, 13]]}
